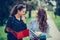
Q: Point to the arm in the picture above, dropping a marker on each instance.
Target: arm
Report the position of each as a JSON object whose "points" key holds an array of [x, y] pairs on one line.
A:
{"points": [[47, 32], [31, 26], [31, 29], [8, 25]]}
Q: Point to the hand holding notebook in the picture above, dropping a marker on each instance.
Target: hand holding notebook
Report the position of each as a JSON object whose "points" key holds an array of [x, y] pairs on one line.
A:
{"points": [[38, 33]]}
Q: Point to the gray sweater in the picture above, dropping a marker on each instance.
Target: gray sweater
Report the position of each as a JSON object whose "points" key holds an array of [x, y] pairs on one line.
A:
{"points": [[34, 27]]}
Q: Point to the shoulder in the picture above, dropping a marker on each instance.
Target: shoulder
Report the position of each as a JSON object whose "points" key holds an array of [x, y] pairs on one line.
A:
{"points": [[33, 20], [10, 18]]}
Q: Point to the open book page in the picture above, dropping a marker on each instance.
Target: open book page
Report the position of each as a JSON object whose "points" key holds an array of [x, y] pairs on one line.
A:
{"points": [[36, 34]]}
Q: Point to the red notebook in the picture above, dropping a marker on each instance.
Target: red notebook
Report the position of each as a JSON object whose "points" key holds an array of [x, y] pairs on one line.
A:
{"points": [[21, 34]]}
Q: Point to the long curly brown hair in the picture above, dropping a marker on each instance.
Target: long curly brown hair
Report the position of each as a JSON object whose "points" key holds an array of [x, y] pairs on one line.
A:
{"points": [[42, 19]]}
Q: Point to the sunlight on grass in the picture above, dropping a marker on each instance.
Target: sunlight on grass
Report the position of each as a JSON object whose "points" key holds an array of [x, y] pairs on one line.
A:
{"points": [[27, 38], [2, 33]]}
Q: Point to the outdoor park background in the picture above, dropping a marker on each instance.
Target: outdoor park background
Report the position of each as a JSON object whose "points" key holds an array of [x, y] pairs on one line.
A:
{"points": [[52, 8]]}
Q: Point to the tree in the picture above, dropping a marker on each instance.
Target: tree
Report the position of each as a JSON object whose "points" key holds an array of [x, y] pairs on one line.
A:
{"points": [[31, 5], [57, 10]]}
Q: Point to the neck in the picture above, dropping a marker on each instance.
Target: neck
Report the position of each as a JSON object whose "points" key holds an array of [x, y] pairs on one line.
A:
{"points": [[17, 15]]}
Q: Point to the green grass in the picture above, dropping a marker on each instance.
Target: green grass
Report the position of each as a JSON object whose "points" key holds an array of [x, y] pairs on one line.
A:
{"points": [[56, 20], [3, 35]]}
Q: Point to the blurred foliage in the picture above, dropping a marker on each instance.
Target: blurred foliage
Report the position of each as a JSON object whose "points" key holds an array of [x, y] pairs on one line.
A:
{"points": [[57, 10]]}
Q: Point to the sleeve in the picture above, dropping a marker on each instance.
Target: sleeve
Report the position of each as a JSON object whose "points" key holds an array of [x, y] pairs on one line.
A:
{"points": [[47, 31], [9, 22], [30, 25], [31, 31], [25, 26]]}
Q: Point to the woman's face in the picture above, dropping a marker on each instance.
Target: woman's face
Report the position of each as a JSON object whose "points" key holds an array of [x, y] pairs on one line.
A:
{"points": [[36, 13], [22, 12]]}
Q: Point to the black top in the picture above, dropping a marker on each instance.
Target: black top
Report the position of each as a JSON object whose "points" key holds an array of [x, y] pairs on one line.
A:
{"points": [[15, 24]]}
